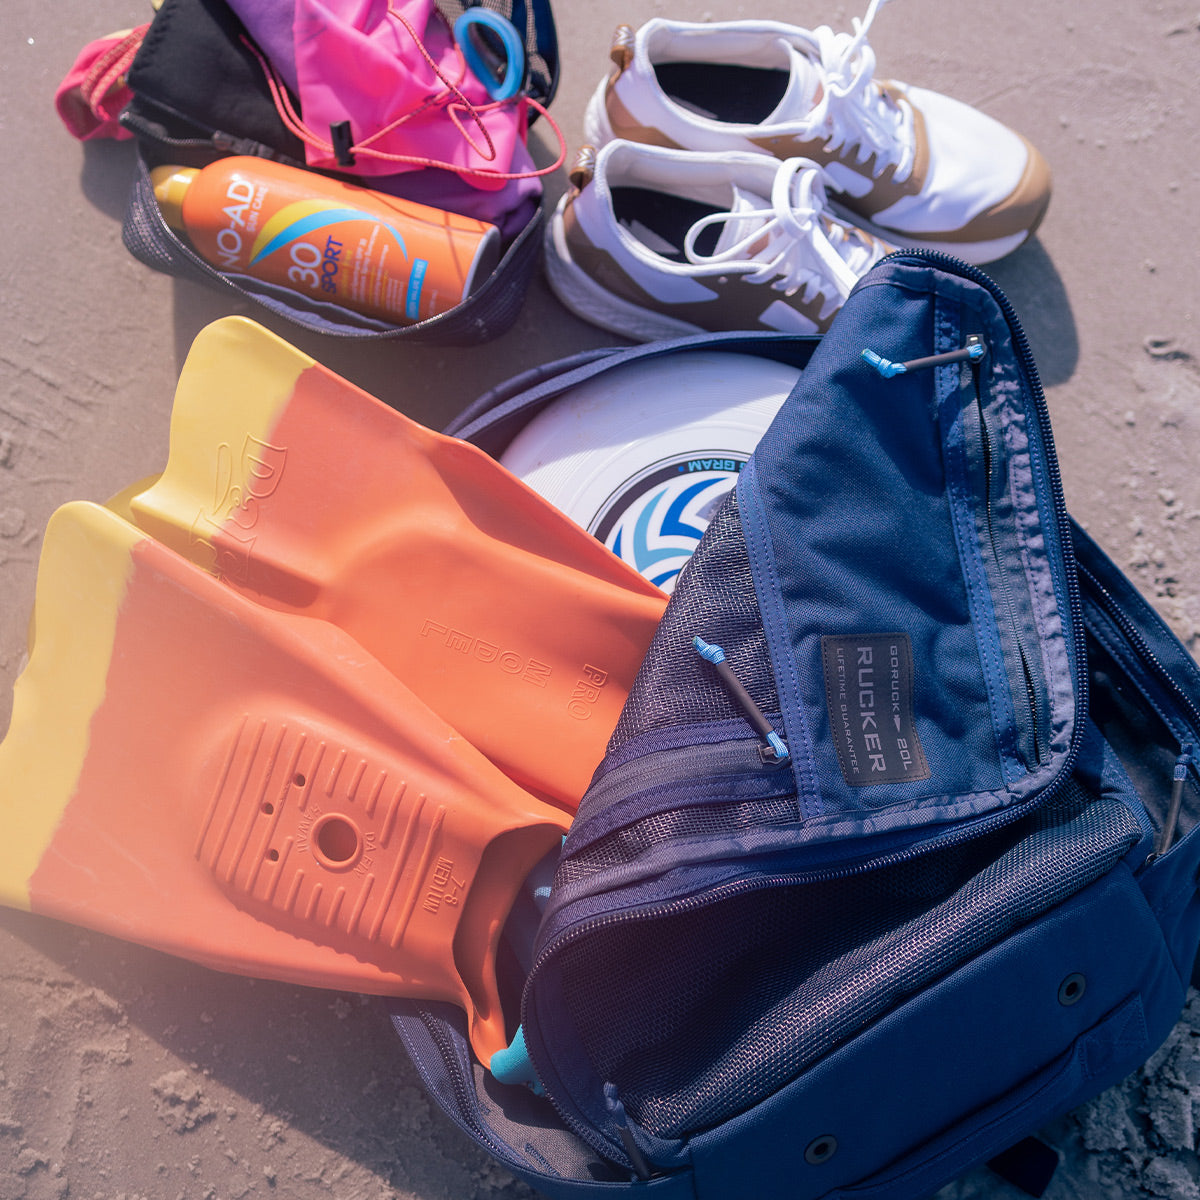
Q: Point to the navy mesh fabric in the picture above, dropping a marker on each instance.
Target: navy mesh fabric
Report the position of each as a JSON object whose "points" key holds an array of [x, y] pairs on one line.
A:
{"points": [[698, 1014], [624, 845], [714, 598]]}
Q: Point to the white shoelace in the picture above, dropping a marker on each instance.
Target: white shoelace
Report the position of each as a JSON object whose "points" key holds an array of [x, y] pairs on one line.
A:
{"points": [[857, 113], [795, 249]]}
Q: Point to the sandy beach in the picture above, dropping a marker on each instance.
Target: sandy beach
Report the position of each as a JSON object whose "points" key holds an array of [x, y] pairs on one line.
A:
{"points": [[129, 1075]]}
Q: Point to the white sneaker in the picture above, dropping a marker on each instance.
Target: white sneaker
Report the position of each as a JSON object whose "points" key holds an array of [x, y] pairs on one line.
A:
{"points": [[914, 165], [653, 243]]}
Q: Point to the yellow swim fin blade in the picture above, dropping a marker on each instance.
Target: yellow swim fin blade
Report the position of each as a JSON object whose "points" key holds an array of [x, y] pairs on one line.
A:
{"points": [[248, 788], [306, 494]]}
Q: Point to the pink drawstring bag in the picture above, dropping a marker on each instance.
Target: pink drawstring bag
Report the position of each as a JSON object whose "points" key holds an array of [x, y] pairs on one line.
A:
{"points": [[383, 87]]}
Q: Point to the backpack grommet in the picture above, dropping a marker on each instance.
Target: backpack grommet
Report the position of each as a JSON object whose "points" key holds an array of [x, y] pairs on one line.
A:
{"points": [[1071, 990], [820, 1149]]}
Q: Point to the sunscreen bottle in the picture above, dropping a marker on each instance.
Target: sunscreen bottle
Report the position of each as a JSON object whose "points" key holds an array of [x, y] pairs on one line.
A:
{"points": [[375, 254]]}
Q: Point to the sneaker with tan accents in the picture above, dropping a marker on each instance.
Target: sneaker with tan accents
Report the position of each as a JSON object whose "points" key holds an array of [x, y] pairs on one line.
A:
{"points": [[913, 165], [651, 243]]}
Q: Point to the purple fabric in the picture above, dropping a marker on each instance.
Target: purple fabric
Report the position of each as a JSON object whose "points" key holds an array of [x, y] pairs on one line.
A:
{"points": [[510, 208], [271, 25]]}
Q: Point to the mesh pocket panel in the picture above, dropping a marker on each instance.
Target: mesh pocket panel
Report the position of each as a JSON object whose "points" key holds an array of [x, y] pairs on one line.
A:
{"points": [[714, 598], [699, 1014], [624, 845]]}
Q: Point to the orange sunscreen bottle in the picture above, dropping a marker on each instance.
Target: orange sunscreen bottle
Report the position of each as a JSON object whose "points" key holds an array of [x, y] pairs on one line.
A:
{"points": [[375, 254]]}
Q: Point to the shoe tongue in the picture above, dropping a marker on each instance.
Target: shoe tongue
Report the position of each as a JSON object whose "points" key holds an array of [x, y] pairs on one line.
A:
{"points": [[804, 89], [745, 218], [854, 249]]}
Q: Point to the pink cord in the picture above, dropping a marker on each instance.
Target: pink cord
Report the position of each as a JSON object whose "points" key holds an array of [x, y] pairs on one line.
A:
{"points": [[454, 101]]}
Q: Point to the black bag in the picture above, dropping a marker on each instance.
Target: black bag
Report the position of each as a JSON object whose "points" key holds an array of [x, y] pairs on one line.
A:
{"points": [[200, 93]]}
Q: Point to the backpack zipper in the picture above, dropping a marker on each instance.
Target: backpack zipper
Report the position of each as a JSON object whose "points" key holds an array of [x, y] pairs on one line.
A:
{"points": [[467, 1103], [1031, 687], [972, 352], [1185, 762], [615, 1149], [1029, 373], [1141, 647], [1166, 835], [464, 1090], [974, 828]]}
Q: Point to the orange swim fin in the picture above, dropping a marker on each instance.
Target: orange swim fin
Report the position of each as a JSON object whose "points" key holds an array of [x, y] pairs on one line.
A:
{"points": [[305, 493], [248, 789]]}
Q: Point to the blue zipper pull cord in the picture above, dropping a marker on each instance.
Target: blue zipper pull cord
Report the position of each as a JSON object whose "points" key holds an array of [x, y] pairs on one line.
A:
{"points": [[617, 1110], [713, 653], [1178, 779], [973, 351]]}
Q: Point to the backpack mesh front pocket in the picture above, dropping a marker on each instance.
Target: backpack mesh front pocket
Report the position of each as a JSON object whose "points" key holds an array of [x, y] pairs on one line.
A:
{"points": [[675, 687], [707, 1006]]}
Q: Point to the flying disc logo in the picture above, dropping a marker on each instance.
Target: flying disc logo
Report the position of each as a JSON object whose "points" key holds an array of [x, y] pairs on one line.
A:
{"points": [[655, 519]]}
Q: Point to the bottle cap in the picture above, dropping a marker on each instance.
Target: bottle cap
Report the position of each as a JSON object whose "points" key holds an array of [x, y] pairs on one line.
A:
{"points": [[170, 185], [487, 256]]}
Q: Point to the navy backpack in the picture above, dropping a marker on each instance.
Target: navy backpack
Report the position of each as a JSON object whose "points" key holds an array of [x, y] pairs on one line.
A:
{"points": [[892, 857]]}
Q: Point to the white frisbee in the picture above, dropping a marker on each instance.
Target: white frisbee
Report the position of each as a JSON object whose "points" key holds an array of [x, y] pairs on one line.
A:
{"points": [[642, 455]]}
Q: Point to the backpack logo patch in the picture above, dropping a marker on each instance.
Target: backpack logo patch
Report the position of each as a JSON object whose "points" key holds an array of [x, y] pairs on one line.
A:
{"points": [[869, 692]]}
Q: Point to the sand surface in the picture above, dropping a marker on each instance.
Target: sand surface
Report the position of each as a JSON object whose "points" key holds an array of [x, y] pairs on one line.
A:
{"points": [[127, 1075]]}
